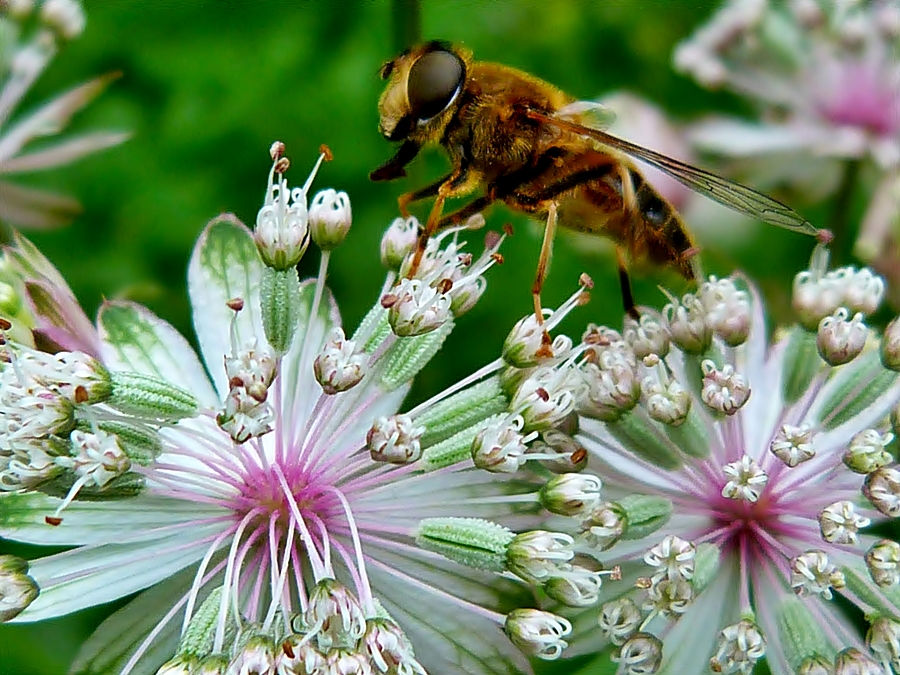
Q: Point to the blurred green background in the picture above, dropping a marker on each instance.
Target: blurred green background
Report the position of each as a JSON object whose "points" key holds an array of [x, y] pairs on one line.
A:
{"points": [[207, 86]]}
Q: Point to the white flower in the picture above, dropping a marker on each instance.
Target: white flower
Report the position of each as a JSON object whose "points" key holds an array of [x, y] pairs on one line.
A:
{"points": [[734, 531], [258, 524]]}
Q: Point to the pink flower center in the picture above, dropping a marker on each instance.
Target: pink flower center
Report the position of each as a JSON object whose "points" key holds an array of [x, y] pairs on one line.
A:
{"points": [[861, 97]]}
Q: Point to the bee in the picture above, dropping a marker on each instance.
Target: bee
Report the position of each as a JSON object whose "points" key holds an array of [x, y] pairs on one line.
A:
{"points": [[529, 145]]}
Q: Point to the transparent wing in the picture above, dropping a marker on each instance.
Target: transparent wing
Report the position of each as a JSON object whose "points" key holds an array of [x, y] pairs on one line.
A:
{"points": [[733, 195], [589, 114]]}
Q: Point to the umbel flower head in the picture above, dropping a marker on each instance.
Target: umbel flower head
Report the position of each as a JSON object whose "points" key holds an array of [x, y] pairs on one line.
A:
{"points": [[31, 33], [739, 482], [278, 515]]}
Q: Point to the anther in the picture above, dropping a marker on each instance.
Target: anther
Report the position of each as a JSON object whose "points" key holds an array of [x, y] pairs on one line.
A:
{"points": [[276, 150]]}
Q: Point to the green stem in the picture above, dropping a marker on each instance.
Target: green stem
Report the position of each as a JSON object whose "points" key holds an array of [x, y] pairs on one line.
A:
{"points": [[406, 23], [840, 215]]}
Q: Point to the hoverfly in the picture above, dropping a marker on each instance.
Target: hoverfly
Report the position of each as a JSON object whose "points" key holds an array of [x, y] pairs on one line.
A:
{"points": [[540, 151]]}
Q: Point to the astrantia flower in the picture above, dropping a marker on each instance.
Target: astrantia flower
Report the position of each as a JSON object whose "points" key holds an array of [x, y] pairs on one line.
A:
{"points": [[249, 511], [30, 35], [736, 524]]}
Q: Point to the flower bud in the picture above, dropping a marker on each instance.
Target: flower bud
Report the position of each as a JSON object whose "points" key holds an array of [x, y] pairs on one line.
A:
{"points": [[282, 232], [415, 308], [398, 242], [793, 445], [815, 665], [578, 583], [257, 655], [727, 310], [336, 613], [883, 638], [571, 494], [666, 402], [611, 391], [839, 340], [96, 458], [534, 556], [620, 619], [604, 526], [883, 563], [723, 390], [500, 446], [868, 451], [329, 218], [297, 656], [746, 479], [813, 573], [852, 661], [395, 440], [182, 664], [674, 557], [641, 654], [547, 396], [687, 325], [17, 589], [646, 336], [740, 646], [560, 453], [339, 367], [863, 291], [388, 648], [817, 296], [527, 344], [840, 524], [882, 488], [669, 597], [538, 633], [890, 345]]}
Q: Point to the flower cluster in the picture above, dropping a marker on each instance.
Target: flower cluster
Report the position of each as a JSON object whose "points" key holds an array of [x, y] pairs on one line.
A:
{"points": [[825, 75], [728, 483], [31, 33], [278, 515]]}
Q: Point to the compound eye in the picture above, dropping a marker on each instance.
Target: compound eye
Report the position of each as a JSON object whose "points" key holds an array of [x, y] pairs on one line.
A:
{"points": [[433, 82], [386, 70]]}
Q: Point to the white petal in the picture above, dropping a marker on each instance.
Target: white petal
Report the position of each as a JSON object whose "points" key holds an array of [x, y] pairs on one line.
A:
{"points": [[117, 638], [738, 138], [447, 638], [88, 576], [63, 152], [90, 522], [136, 340], [51, 117], [225, 265]]}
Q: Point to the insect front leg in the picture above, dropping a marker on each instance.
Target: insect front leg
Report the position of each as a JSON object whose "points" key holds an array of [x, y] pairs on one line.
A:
{"points": [[430, 190], [455, 183], [541, 274]]}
